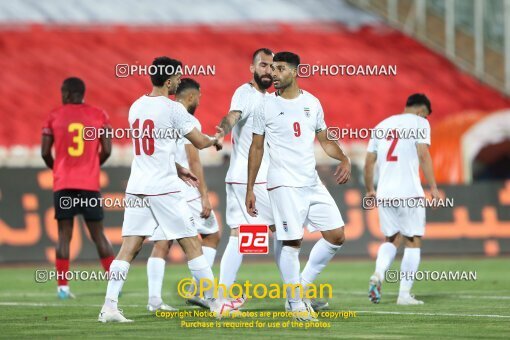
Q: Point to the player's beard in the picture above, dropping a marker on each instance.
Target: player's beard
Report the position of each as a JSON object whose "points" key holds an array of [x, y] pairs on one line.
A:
{"points": [[192, 108], [263, 82], [171, 90]]}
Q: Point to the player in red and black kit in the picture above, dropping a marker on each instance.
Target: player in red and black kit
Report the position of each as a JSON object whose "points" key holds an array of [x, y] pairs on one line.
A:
{"points": [[76, 173]]}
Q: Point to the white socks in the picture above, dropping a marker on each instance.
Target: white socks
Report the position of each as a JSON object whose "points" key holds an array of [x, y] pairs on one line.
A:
{"points": [[410, 263], [322, 252], [385, 257], [200, 269], [210, 254], [230, 263], [118, 270], [155, 275], [289, 268]]}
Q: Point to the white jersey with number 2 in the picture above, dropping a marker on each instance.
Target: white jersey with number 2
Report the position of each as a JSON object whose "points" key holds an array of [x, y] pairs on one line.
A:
{"points": [[397, 155]]}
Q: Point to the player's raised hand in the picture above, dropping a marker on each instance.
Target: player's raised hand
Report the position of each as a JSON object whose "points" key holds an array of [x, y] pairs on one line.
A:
{"points": [[206, 207], [187, 176], [220, 134], [250, 204], [343, 172]]}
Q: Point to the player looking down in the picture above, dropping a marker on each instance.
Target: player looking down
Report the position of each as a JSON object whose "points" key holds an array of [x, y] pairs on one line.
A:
{"points": [[188, 94], [398, 161], [155, 177], [288, 121]]}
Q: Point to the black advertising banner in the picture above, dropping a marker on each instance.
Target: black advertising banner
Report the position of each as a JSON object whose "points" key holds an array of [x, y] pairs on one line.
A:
{"points": [[477, 221]]}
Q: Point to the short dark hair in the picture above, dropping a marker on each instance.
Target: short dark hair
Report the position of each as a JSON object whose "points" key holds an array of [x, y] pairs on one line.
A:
{"points": [[74, 86], [264, 50], [165, 68], [419, 99], [288, 57], [187, 83]]}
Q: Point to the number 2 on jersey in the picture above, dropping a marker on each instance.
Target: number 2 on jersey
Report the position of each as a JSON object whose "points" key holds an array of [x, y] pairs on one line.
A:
{"points": [[390, 157], [147, 141]]}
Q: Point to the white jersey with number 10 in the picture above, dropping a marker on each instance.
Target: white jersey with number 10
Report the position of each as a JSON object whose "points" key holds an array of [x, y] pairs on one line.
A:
{"points": [[153, 169]]}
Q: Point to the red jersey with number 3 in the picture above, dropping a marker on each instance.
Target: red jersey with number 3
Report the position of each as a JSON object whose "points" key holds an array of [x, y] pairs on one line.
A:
{"points": [[76, 164], [394, 141]]}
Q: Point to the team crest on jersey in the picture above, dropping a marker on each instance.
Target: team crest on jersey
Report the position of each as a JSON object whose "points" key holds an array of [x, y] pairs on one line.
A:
{"points": [[285, 226], [307, 112]]}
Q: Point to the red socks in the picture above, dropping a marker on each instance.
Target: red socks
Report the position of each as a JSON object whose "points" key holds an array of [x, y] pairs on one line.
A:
{"points": [[62, 266], [106, 262]]}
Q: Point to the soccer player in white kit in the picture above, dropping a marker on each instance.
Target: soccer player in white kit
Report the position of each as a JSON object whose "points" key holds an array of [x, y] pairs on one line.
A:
{"points": [[398, 160], [188, 94], [288, 121], [240, 120], [155, 178]]}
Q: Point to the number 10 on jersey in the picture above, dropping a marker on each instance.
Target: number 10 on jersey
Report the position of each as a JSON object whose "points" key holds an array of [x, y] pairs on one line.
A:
{"points": [[147, 141]]}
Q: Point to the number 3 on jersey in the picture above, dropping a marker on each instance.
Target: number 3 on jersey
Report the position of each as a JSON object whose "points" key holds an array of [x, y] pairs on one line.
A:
{"points": [[390, 157], [147, 141], [76, 150]]}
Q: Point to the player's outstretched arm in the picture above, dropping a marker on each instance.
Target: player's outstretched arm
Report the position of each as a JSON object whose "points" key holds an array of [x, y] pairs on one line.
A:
{"points": [[201, 141], [229, 121], [427, 168], [106, 149], [368, 173], [46, 144], [254, 160], [196, 167], [333, 150]]}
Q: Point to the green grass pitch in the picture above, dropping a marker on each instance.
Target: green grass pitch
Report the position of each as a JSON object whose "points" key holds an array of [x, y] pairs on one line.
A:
{"points": [[453, 309]]}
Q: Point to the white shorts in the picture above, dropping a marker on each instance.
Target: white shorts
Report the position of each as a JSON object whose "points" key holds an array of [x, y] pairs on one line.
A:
{"points": [[293, 208], [236, 206], [204, 225], [405, 220], [168, 214]]}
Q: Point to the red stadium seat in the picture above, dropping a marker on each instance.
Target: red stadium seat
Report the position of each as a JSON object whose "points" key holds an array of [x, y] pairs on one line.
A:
{"points": [[36, 59]]}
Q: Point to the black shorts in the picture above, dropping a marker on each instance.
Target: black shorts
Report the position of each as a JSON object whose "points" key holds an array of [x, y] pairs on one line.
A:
{"points": [[71, 202]]}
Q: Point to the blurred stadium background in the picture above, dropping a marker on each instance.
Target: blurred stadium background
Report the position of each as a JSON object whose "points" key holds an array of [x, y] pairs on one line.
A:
{"points": [[457, 52]]}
